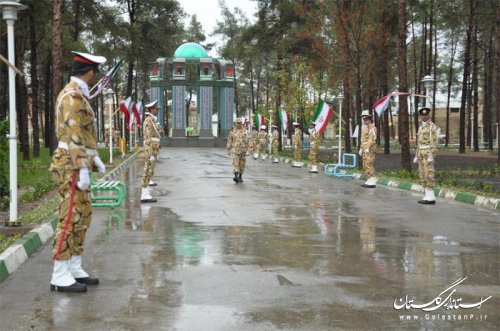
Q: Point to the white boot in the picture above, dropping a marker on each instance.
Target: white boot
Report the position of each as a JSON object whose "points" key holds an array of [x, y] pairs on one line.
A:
{"points": [[314, 169], [275, 160], [429, 195], [299, 164], [264, 156], [294, 163], [61, 276], [255, 156], [145, 196], [151, 183], [75, 267]]}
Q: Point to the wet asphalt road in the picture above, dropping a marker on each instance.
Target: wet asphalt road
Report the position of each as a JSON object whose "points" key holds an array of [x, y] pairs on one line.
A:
{"points": [[285, 250]]}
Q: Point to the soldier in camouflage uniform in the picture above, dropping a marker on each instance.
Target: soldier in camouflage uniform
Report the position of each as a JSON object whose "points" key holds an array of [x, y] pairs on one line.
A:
{"points": [[426, 154], [254, 141], [263, 142], [314, 146], [237, 141], [368, 148], [74, 158], [297, 146], [152, 134], [275, 144]]}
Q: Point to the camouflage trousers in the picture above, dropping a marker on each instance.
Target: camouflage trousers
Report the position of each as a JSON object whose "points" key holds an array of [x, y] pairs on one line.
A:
{"points": [[275, 148], [313, 155], [368, 164], [75, 211], [426, 168], [297, 153], [239, 161], [150, 149], [262, 147]]}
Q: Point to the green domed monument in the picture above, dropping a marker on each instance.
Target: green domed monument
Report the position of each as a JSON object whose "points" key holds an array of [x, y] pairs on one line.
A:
{"points": [[192, 87]]}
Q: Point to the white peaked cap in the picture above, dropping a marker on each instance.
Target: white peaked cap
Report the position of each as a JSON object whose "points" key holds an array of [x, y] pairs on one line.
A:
{"points": [[295, 123], [366, 112], [89, 58], [151, 104], [262, 126]]}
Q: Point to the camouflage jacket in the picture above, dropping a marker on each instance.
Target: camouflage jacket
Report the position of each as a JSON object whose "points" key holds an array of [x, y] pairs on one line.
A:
{"points": [[262, 136], [296, 139], [314, 138], [427, 137], [275, 136], [237, 140], [151, 128], [75, 126], [369, 137]]}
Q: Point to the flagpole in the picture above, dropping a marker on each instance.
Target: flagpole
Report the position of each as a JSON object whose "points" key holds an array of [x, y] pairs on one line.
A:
{"points": [[340, 97], [99, 82]]}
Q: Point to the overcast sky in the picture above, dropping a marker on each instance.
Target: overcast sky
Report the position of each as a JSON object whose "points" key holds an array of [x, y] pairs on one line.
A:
{"points": [[208, 13]]}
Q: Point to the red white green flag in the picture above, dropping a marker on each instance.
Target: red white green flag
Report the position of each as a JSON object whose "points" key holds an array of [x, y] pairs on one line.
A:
{"points": [[284, 116], [258, 120], [322, 116]]}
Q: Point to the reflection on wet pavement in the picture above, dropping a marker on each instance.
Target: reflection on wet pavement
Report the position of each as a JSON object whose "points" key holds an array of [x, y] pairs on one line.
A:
{"points": [[279, 252]]}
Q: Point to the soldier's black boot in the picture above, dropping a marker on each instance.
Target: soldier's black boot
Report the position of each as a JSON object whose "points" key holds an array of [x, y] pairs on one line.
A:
{"points": [[236, 178], [239, 178]]}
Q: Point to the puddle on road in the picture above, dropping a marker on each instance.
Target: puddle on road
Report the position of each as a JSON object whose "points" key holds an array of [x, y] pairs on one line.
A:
{"points": [[340, 267]]}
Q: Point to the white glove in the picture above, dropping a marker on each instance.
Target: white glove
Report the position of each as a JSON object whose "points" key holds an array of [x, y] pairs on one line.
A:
{"points": [[415, 160], [84, 181], [367, 151], [99, 164], [430, 159], [152, 158], [360, 152]]}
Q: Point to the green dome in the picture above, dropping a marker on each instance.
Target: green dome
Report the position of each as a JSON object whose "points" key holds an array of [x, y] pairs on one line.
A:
{"points": [[190, 51]]}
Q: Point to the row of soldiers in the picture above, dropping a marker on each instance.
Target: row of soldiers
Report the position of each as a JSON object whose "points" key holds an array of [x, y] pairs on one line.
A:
{"points": [[257, 144]]}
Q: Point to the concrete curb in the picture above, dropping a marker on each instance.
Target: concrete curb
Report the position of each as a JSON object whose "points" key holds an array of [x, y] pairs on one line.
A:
{"points": [[17, 253], [476, 200]]}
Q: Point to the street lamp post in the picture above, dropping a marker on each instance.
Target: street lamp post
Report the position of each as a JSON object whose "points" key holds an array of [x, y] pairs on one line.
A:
{"points": [[428, 82], [340, 97], [10, 9], [109, 97]]}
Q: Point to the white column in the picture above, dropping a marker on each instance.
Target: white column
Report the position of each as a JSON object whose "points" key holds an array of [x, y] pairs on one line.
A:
{"points": [[12, 124]]}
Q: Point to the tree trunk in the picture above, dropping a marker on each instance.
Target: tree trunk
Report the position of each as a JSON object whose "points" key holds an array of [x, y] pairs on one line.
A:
{"points": [[450, 82], [57, 65], [47, 109], [403, 111], [497, 78], [465, 79], [475, 88], [488, 90], [34, 84]]}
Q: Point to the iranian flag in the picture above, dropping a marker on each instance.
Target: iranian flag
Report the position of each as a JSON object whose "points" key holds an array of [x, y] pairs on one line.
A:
{"points": [[258, 120], [106, 79], [284, 121], [126, 108], [381, 105], [322, 116], [137, 110]]}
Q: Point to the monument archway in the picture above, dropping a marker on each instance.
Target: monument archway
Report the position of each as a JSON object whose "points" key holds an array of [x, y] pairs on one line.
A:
{"points": [[191, 87]]}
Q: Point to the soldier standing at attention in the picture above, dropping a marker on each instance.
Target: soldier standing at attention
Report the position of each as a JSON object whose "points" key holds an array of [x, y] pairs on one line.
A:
{"points": [[74, 158], [297, 146], [263, 142], [314, 146], [368, 148], [237, 141], [426, 153], [151, 131], [275, 144]]}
